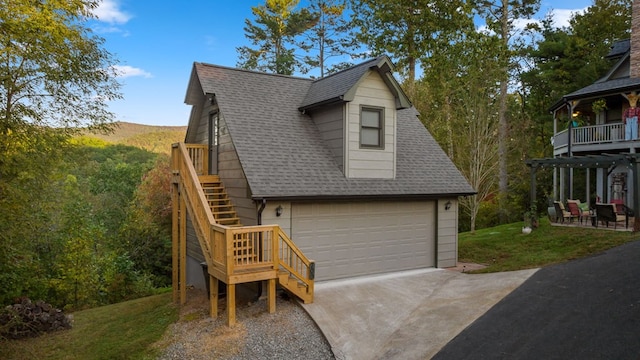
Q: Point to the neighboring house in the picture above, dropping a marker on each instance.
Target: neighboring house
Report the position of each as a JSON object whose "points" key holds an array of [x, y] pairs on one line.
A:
{"points": [[342, 164], [596, 138]]}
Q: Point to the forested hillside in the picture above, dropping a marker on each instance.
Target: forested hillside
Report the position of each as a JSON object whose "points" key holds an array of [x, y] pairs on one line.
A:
{"points": [[96, 228], [156, 139]]}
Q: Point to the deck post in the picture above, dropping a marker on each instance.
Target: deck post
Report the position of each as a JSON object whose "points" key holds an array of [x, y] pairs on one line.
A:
{"points": [[271, 295], [213, 296], [183, 251], [175, 241], [231, 304]]}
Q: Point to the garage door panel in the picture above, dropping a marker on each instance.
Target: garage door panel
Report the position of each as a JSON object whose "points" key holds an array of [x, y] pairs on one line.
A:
{"points": [[360, 238]]}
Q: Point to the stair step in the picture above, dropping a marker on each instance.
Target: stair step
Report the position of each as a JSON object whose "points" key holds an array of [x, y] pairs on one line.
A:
{"points": [[228, 212], [219, 200], [228, 221], [217, 194]]}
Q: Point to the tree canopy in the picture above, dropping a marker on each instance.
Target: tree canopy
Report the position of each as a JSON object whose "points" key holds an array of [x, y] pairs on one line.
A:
{"points": [[277, 23]]}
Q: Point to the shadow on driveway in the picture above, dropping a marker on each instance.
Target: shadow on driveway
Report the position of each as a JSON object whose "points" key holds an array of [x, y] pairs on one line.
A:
{"points": [[583, 309]]}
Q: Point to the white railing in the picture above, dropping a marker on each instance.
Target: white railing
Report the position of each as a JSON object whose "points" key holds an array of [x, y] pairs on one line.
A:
{"points": [[591, 134]]}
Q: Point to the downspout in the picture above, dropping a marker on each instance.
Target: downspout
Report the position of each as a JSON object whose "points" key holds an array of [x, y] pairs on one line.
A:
{"points": [[435, 255], [261, 209]]}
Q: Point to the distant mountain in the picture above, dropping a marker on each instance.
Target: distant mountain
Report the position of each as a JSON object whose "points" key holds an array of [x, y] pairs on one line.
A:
{"points": [[153, 138]]}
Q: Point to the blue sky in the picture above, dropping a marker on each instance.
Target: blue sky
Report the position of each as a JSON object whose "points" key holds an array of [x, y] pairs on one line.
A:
{"points": [[157, 43]]}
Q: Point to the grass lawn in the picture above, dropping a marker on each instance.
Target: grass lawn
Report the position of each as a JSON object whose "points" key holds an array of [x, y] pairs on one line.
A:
{"points": [[506, 248], [119, 331]]}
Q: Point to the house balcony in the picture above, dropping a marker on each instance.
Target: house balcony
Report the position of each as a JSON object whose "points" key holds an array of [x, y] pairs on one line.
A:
{"points": [[593, 139]]}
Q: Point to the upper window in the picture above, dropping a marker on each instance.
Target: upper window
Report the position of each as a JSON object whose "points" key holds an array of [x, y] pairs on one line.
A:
{"points": [[371, 128]]}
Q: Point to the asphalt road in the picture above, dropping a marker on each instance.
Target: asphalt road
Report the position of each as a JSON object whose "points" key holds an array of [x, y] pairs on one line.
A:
{"points": [[583, 309]]}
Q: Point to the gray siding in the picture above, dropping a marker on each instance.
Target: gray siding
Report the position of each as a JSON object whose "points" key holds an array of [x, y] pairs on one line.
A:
{"points": [[193, 246], [371, 163], [330, 122], [229, 167], [447, 234], [232, 175], [284, 221]]}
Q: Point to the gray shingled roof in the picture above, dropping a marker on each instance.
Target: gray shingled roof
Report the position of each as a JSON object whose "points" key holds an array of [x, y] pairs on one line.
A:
{"points": [[284, 156], [605, 87], [619, 48], [335, 86]]}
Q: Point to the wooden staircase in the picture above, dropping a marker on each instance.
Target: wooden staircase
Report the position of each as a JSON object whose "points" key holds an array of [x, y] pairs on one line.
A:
{"points": [[219, 202], [234, 253], [295, 287]]}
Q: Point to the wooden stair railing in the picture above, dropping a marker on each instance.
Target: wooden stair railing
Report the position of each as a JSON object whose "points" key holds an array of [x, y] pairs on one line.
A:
{"points": [[296, 272], [233, 253]]}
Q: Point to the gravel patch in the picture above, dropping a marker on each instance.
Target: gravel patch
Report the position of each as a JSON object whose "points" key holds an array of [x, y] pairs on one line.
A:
{"points": [[289, 333]]}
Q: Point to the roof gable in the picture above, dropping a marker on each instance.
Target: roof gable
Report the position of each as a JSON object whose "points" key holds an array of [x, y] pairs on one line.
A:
{"points": [[341, 86]]}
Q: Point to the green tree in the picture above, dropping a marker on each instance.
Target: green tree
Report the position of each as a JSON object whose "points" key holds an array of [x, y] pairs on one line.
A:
{"points": [[408, 30], [499, 17], [54, 77], [328, 37], [146, 233], [462, 76], [593, 33], [276, 26], [76, 281], [54, 71]]}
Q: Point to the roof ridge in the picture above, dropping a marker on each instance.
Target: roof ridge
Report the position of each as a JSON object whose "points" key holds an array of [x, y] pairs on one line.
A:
{"points": [[376, 59], [252, 71]]}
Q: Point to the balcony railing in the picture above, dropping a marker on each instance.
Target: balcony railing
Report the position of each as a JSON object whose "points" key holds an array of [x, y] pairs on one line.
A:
{"points": [[591, 134]]}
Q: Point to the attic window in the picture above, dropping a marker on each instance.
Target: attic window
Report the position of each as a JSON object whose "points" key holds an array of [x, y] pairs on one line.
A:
{"points": [[372, 128]]}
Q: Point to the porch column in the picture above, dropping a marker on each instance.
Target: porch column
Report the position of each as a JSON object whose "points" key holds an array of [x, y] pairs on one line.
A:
{"points": [[587, 194], [636, 187], [532, 190], [562, 184], [555, 183]]}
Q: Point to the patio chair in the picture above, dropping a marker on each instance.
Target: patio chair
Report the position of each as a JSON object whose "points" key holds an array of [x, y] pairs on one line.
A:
{"points": [[622, 209], [607, 212], [576, 210], [561, 212]]}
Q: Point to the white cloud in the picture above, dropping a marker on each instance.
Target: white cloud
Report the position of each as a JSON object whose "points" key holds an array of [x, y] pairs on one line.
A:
{"points": [[109, 11], [521, 24], [125, 71], [561, 17]]}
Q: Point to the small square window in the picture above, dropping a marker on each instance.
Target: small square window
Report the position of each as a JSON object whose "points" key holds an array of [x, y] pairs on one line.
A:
{"points": [[371, 128]]}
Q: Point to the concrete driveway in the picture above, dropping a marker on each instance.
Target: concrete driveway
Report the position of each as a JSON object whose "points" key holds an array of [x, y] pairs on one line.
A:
{"points": [[407, 315]]}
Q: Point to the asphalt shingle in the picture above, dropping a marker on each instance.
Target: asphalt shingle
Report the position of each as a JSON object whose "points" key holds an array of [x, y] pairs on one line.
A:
{"points": [[282, 152]]}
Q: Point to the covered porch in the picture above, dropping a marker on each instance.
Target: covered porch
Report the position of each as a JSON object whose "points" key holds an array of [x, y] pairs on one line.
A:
{"points": [[605, 164]]}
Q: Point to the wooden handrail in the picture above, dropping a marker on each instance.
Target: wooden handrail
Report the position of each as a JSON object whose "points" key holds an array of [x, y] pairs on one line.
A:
{"points": [[294, 261], [197, 202], [199, 156]]}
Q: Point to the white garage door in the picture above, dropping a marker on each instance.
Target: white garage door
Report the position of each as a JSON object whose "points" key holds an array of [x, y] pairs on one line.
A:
{"points": [[362, 238]]}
